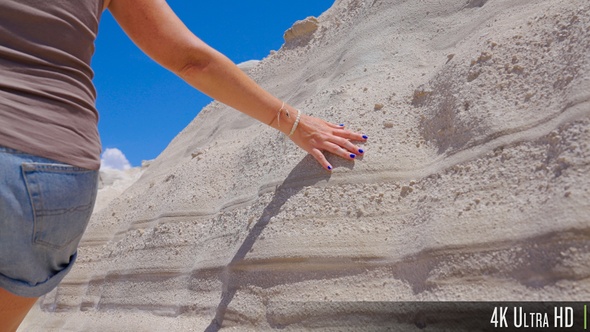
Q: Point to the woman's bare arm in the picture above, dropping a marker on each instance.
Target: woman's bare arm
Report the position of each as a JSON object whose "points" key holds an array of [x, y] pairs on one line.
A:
{"points": [[156, 29]]}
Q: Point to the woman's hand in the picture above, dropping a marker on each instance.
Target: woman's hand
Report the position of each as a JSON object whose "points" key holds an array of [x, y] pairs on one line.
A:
{"points": [[316, 135]]}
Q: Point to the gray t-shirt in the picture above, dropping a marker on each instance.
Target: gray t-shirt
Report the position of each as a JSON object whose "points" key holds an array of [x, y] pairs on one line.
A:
{"points": [[47, 99]]}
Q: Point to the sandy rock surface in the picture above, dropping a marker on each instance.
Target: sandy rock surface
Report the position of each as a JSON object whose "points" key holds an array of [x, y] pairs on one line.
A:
{"points": [[474, 185]]}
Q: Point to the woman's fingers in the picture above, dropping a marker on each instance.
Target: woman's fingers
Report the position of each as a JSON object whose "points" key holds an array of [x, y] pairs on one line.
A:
{"points": [[351, 135], [347, 145], [319, 156], [335, 126], [339, 151], [344, 151], [317, 136]]}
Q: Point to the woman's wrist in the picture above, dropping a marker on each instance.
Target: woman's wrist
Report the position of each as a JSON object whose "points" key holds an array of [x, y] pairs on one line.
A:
{"points": [[285, 119]]}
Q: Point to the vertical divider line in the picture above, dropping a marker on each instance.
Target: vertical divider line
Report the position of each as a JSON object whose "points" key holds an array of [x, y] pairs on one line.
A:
{"points": [[585, 313]]}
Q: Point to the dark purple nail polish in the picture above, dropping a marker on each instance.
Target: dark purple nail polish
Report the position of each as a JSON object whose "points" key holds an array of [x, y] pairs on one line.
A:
{"points": [[361, 151], [342, 125], [352, 155], [329, 167], [365, 136]]}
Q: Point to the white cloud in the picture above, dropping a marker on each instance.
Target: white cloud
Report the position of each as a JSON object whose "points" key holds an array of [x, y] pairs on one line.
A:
{"points": [[113, 158]]}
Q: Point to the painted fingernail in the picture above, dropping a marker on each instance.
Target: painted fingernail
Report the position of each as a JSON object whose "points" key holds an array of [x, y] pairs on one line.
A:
{"points": [[365, 136], [341, 125], [329, 167], [352, 155], [361, 151]]}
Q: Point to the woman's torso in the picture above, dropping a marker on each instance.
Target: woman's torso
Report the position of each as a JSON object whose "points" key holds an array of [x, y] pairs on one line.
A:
{"points": [[47, 99]]}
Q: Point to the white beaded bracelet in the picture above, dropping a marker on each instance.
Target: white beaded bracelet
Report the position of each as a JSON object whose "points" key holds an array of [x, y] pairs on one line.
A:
{"points": [[296, 122]]}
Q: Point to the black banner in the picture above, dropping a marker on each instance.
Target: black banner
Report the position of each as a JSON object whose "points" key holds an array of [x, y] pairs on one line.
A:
{"points": [[430, 316]]}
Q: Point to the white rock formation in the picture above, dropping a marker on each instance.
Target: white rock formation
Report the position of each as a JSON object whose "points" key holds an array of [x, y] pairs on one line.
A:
{"points": [[474, 185], [249, 65], [113, 182]]}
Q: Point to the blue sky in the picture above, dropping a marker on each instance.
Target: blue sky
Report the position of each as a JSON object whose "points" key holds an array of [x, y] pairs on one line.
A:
{"points": [[142, 106]]}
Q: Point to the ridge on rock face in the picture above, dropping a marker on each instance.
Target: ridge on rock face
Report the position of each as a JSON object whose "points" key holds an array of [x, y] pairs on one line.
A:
{"points": [[474, 185]]}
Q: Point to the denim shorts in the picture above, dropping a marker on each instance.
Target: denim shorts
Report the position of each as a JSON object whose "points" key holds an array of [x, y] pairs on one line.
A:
{"points": [[45, 206]]}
